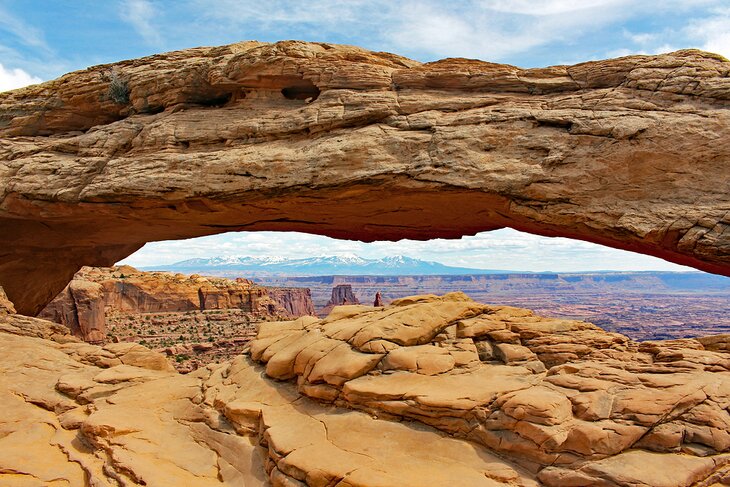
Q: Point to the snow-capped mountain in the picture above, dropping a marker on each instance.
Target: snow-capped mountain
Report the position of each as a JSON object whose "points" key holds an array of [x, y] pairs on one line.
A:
{"points": [[318, 266]]}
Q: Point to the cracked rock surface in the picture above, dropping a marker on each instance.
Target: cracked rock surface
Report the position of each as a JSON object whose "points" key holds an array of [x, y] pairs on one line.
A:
{"points": [[341, 141], [422, 392]]}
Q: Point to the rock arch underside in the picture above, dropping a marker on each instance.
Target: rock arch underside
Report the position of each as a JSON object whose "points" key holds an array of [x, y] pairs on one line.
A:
{"points": [[336, 140]]}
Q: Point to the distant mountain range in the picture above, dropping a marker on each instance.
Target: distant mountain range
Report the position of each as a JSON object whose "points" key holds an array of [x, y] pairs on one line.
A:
{"points": [[319, 266]]}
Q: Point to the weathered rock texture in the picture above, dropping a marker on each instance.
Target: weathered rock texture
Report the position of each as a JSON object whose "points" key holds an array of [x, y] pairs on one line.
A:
{"points": [[483, 396], [94, 292], [566, 400], [337, 140]]}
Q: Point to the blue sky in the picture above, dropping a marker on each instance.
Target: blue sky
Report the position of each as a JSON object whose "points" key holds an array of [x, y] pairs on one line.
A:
{"points": [[40, 40]]}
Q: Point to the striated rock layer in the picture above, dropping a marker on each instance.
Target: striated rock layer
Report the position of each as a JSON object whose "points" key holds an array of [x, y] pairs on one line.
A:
{"points": [[94, 292], [340, 141], [428, 391]]}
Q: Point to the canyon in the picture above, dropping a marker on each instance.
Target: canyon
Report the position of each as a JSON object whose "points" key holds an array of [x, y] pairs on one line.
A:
{"points": [[627, 152]]}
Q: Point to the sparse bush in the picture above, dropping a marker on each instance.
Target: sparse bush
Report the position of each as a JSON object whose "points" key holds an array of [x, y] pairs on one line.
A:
{"points": [[118, 90]]}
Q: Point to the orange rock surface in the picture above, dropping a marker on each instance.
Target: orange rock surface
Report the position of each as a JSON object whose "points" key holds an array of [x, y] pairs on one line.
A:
{"points": [[412, 394], [327, 139]]}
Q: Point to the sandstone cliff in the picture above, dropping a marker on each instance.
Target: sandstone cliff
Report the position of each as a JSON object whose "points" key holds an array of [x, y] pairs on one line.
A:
{"points": [[94, 292], [481, 395], [629, 152]]}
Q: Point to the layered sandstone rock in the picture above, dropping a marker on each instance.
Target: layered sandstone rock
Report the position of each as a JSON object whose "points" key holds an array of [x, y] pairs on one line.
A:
{"points": [[6, 307], [567, 404], [629, 152], [96, 292], [564, 399]]}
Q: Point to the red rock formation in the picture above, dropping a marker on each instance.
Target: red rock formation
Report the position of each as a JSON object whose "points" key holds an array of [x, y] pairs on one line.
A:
{"points": [[341, 295], [296, 301], [378, 300], [630, 153], [80, 306], [95, 291]]}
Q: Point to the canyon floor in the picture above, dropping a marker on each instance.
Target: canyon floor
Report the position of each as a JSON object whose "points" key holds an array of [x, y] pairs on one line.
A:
{"points": [[426, 391], [190, 339]]}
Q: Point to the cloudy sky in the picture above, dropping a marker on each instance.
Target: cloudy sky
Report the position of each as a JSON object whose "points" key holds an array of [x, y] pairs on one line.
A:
{"points": [[40, 40]]}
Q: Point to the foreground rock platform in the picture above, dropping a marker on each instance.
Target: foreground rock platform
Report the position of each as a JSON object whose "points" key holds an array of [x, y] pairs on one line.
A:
{"points": [[340, 141], [428, 391]]}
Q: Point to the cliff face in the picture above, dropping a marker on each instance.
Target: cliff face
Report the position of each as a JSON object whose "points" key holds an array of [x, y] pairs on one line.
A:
{"points": [[81, 307], [427, 391], [296, 301], [629, 152], [341, 295], [93, 292]]}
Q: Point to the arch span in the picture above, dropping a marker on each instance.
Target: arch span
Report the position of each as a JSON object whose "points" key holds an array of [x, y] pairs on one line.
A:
{"points": [[335, 140]]}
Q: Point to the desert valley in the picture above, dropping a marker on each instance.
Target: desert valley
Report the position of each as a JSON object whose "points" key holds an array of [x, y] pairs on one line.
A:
{"points": [[113, 376]]}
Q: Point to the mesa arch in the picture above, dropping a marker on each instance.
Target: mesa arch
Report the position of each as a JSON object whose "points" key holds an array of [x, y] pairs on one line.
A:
{"points": [[335, 140]]}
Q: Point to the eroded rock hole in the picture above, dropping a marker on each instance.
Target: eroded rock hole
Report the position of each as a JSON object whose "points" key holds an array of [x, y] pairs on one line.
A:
{"points": [[153, 109], [217, 100], [304, 91]]}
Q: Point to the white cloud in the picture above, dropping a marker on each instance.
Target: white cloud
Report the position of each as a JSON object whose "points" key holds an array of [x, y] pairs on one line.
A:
{"points": [[495, 30], [713, 31], [140, 13], [548, 7], [642, 38], [501, 249], [499, 29], [11, 79], [323, 12], [662, 49], [27, 34]]}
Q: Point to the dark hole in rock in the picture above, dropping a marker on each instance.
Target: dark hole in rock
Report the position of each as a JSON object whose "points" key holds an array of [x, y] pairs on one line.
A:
{"points": [[217, 100], [560, 124], [152, 109], [302, 91]]}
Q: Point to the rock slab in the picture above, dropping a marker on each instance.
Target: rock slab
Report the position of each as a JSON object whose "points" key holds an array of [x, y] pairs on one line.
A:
{"points": [[384, 397]]}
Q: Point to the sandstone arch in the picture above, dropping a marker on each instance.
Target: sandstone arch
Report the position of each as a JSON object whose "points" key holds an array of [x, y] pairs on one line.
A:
{"points": [[632, 153]]}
